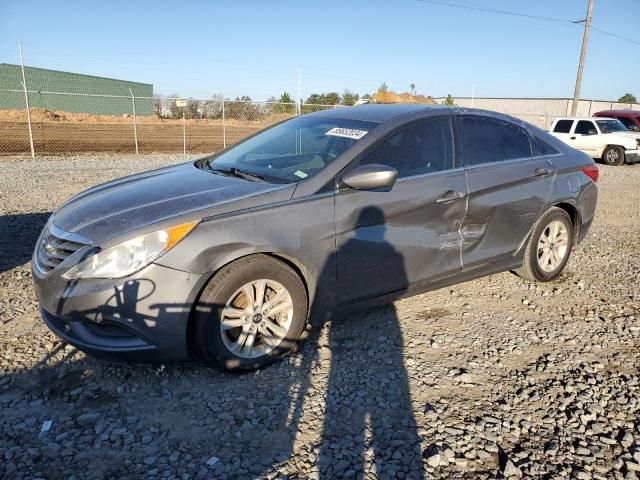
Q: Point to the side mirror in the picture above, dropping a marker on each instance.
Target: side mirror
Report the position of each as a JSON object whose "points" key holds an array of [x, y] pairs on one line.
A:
{"points": [[592, 132], [633, 128], [371, 177]]}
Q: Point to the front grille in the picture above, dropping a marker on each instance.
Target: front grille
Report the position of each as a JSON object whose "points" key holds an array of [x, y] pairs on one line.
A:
{"points": [[55, 247]]}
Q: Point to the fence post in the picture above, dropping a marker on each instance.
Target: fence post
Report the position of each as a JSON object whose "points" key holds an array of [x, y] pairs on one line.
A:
{"points": [[224, 127], [184, 134], [26, 101], [135, 126]]}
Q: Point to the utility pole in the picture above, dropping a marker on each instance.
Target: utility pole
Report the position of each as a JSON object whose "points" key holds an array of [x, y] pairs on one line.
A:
{"points": [[26, 101], [583, 54]]}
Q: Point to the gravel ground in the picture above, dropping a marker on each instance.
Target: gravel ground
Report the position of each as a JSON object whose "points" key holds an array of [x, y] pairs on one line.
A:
{"points": [[493, 378]]}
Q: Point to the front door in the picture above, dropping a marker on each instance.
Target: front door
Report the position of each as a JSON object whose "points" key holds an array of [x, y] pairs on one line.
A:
{"points": [[508, 189], [585, 137], [388, 241]]}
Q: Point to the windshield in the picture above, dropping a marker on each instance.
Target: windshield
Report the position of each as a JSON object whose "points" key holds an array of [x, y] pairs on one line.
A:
{"points": [[608, 126], [293, 150]]}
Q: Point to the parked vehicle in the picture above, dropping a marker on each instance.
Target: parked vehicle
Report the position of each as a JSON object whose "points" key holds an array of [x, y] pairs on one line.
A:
{"points": [[229, 256], [629, 118], [602, 138]]}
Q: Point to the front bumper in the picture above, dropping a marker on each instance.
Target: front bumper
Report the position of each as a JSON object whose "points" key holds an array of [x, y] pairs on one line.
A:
{"points": [[140, 318], [632, 156]]}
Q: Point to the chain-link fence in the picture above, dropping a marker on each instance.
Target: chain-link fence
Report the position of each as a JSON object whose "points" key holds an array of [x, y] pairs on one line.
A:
{"points": [[62, 122], [71, 122]]}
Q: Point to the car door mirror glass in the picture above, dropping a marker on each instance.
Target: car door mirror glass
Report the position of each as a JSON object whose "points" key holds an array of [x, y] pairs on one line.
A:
{"points": [[371, 177]]}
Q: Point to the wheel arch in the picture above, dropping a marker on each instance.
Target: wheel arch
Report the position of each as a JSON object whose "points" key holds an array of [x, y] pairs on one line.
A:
{"points": [[575, 216], [609, 145], [301, 270]]}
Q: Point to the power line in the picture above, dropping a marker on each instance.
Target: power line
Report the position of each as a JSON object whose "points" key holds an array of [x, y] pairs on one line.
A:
{"points": [[500, 12], [525, 15], [615, 35]]}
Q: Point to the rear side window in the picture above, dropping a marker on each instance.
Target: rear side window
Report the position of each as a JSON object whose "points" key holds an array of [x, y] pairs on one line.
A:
{"points": [[585, 127], [563, 126], [425, 146], [542, 148], [489, 140], [627, 122]]}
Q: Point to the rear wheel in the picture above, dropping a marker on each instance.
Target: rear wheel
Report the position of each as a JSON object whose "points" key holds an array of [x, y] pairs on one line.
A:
{"points": [[549, 247], [250, 313], [613, 155]]}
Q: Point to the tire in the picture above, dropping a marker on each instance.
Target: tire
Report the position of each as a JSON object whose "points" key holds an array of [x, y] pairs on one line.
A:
{"points": [[537, 266], [223, 306], [613, 155]]}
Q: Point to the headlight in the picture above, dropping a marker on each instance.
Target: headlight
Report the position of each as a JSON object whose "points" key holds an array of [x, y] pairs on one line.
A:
{"points": [[128, 257]]}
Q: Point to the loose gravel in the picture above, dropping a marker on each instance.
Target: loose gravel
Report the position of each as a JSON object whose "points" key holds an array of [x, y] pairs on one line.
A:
{"points": [[494, 378]]}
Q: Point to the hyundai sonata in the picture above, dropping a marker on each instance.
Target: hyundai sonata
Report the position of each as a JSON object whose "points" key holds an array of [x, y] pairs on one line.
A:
{"points": [[229, 256]]}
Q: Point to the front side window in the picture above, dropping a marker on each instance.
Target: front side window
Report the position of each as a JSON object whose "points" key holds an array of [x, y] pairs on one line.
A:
{"points": [[489, 140], [585, 127], [563, 126], [424, 146], [608, 126], [293, 150]]}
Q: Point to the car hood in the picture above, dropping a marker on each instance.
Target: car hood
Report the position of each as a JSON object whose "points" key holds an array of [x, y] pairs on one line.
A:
{"points": [[626, 134], [160, 198]]}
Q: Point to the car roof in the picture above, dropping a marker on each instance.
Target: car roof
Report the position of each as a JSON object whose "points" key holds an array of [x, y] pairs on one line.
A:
{"points": [[580, 118], [624, 113], [379, 113]]}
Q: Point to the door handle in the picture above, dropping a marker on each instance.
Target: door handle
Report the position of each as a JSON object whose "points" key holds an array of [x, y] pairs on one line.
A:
{"points": [[572, 138], [541, 172], [450, 196]]}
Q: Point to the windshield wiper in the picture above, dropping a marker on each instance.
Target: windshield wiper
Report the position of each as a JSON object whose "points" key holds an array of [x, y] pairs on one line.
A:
{"points": [[233, 171]]}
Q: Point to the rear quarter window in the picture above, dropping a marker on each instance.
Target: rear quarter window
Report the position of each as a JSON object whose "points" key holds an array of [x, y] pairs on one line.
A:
{"points": [[542, 148], [563, 126]]}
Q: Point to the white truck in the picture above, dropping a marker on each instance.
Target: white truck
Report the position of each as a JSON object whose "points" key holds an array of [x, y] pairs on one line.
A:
{"points": [[601, 138]]}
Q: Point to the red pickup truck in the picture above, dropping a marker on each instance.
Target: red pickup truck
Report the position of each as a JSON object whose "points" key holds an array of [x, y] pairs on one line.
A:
{"points": [[630, 118]]}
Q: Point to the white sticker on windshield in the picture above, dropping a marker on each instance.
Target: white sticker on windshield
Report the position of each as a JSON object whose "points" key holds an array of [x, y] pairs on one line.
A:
{"points": [[300, 174], [347, 133]]}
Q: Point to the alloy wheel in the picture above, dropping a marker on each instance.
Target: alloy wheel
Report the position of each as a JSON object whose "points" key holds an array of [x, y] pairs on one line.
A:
{"points": [[553, 246], [613, 155], [256, 318]]}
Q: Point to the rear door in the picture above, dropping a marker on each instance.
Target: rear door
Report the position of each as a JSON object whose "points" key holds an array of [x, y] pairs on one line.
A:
{"points": [[388, 241], [562, 129], [508, 188]]}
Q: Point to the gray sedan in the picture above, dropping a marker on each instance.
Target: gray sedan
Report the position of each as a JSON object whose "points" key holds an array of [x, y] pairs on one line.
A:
{"points": [[230, 256]]}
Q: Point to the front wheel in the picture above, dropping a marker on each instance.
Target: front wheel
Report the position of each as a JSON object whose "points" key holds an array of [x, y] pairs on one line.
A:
{"points": [[549, 247], [250, 313], [613, 155]]}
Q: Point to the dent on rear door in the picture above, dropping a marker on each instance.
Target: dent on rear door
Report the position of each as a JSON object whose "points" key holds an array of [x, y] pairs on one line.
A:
{"points": [[505, 200]]}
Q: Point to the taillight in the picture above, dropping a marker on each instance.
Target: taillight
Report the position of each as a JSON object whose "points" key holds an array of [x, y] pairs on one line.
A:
{"points": [[592, 171]]}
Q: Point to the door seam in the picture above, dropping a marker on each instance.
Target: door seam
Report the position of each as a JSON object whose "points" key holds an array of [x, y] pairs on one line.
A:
{"points": [[464, 218]]}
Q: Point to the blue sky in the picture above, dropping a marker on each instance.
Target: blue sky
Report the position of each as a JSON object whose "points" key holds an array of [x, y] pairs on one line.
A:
{"points": [[254, 47]]}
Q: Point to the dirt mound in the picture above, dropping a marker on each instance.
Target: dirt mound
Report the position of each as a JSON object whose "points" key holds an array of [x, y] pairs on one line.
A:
{"points": [[392, 97]]}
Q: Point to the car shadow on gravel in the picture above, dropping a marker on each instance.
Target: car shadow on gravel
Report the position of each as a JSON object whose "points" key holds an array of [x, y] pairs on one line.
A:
{"points": [[19, 235]]}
